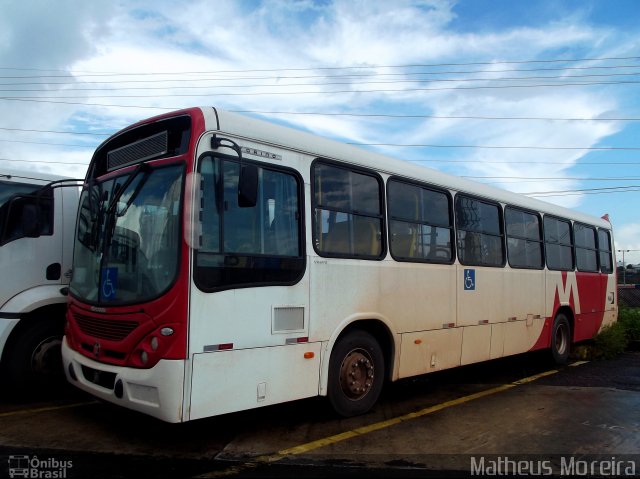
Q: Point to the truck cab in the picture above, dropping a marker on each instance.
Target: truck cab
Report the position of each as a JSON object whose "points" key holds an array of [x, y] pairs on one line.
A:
{"points": [[37, 220]]}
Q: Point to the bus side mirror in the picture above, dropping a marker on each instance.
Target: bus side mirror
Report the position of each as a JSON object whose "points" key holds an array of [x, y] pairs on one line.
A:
{"points": [[248, 186]]}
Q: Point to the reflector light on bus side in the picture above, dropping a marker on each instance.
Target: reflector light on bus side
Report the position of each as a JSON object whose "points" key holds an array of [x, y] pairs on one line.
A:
{"points": [[218, 347]]}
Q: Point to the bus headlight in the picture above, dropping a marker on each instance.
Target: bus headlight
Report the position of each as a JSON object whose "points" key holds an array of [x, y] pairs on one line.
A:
{"points": [[152, 348], [166, 331]]}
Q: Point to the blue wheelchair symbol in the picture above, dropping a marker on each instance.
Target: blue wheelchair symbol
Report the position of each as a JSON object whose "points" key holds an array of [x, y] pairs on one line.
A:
{"points": [[469, 279], [109, 283]]}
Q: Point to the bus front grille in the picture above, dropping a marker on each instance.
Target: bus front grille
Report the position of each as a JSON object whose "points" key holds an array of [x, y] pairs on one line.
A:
{"points": [[110, 329]]}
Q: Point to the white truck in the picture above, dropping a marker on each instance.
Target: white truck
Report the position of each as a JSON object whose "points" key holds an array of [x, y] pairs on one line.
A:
{"points": [[37, 220]]}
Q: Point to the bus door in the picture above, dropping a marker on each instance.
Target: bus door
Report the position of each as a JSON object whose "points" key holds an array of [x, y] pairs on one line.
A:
{"points": [[480, 277], [249, 315]]}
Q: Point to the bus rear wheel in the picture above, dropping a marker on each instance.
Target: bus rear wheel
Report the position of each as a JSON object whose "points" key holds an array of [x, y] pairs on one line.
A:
{"points": [[561, 339], [356, 374]]}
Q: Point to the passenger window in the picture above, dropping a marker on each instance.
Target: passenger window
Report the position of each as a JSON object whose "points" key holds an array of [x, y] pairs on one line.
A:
{"points": [[524, 239], [348, 218], [558, 244], [586, 251], [604, 246], [479, 228], [419, 223]]}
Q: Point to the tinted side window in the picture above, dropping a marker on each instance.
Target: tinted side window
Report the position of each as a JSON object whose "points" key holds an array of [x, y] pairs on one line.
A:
{"points": [[260, 245], [10, 188], [558, 244], [586, 252], [348, 219], [524, 239], [479, 228], [604, 246], [27, 216], [420, 223]]}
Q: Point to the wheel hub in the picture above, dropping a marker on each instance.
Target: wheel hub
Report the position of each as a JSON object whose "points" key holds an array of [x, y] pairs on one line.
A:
{"points": [[561, 339], [46, 357], [357, 374]]}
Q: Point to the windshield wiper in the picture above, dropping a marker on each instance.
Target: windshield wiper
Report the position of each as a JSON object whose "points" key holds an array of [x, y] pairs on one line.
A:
{"points": [[114, 200], [135, 193], [108, 215]]}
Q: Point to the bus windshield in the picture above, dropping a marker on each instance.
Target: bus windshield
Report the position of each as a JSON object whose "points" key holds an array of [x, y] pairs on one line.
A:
{"points": [[128, 236]]}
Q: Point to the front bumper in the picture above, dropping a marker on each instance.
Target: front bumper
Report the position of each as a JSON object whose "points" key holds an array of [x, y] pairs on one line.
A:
{"points": [[157, 391]]}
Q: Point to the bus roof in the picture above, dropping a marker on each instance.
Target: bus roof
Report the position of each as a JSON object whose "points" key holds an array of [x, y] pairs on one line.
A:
{"points": [[269, 133], [282, 136]]}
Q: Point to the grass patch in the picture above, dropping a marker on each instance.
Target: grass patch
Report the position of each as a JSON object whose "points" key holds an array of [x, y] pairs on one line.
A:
{"points": [[613, 340], [630, 319]]}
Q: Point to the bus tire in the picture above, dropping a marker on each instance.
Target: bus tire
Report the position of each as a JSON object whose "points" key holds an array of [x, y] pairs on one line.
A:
{"points": [[560, 339], [34, 358], [356, 374]]}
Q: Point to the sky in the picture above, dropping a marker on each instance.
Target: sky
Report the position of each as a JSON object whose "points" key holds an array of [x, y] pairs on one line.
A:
{"points": [[541, 97]]}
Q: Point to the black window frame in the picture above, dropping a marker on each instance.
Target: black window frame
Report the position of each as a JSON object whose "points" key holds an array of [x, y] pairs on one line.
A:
{"points": [[595, 250], [501, 226], [315, 207], [540, 241], [546, 243], [256, 259], [601, 251], [450, 226]]}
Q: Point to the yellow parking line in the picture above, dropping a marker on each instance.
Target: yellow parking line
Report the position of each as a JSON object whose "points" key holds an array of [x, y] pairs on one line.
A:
{"points": [[578, 363], [534, 377], [389, 422], [326, 441], [22, 412]]}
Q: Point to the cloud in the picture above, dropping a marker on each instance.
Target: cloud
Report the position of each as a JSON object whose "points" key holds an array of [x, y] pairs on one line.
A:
{"points": [[283, 46], [522, 166], [51, 35], [39, 42]]}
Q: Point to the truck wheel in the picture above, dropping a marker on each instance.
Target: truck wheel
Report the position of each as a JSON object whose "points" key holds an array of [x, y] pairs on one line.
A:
{"points": [[34, 357], [356, 374], [560, 339]]}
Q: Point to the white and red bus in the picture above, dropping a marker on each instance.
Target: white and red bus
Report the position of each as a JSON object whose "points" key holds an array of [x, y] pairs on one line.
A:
{"points": [[224, 263]]}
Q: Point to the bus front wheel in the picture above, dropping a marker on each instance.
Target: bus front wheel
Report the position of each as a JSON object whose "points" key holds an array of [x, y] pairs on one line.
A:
{"points": [[560, 339], [356, 374]]}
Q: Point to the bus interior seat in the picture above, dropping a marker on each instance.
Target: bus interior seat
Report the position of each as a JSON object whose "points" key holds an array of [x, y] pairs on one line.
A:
{"points": [[366, 237], [404, 244], [337, 239]]}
